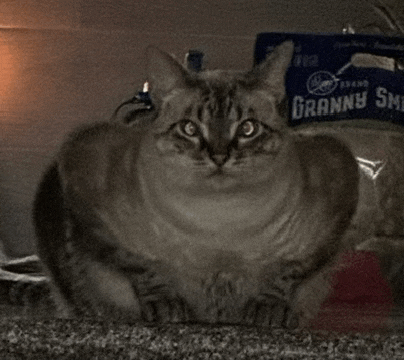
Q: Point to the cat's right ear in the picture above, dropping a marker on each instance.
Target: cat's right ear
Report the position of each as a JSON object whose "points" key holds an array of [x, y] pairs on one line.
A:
{"points": [[164, 73]]}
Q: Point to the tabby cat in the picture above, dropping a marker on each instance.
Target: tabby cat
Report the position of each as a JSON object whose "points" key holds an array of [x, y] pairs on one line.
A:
{"points": [[216, 212]]}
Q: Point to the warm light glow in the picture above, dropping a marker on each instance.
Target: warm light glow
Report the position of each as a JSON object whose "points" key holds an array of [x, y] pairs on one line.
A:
{"points": [[7, 70]]}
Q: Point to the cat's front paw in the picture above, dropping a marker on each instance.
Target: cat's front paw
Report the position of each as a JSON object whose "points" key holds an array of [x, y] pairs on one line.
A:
{"points": [[29, 293], [166, 310], [270, 311]]}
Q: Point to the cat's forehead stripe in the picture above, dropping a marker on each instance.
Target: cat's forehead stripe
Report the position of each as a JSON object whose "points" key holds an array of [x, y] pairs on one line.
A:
{"points": [[230, 105], [188, 111], [221, 101], [217, 100], [250, 112], [239, 111], [200, 112]]}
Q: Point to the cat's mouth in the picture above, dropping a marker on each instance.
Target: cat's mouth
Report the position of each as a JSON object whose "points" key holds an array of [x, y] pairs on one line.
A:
{"points": [[218, 172]]}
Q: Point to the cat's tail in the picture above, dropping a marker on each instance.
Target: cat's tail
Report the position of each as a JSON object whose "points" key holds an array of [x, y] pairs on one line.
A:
{"points": [[50, 229]]}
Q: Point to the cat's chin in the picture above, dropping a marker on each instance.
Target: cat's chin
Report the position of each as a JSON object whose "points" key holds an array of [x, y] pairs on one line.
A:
{"points": [[217, 172], [220, 180]]}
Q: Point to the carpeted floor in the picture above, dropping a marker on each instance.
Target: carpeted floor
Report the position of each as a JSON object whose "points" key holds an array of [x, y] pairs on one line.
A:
{"points": [[78, 339], [354, 330]]}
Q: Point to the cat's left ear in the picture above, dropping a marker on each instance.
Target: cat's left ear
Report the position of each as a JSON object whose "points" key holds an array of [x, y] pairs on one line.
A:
{"points": [[271, 73], [164, 72]]}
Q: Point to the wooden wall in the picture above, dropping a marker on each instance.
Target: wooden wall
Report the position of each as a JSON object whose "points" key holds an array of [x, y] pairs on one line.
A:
{"points": [[65, 63]]}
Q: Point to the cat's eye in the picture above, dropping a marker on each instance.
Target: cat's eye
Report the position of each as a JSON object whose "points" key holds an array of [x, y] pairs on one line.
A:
{"points": [[189, 128], [248, 128]]}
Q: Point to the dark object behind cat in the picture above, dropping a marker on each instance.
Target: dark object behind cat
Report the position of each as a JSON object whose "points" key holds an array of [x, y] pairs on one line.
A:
{"points": [[215, 212]]}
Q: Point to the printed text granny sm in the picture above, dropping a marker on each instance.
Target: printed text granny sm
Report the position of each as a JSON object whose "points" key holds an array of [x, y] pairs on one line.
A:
{"points": [[339, 77]]}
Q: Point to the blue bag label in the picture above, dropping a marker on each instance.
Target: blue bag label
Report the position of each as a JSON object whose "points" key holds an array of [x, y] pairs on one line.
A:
{"points": [[341, 77]]}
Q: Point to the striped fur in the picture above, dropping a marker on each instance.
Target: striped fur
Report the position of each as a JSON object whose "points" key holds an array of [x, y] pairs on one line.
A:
{"points": [[215, 212]]}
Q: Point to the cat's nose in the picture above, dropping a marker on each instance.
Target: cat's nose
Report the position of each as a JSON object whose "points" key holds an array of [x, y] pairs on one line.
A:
{"points": [[219, 159]]}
